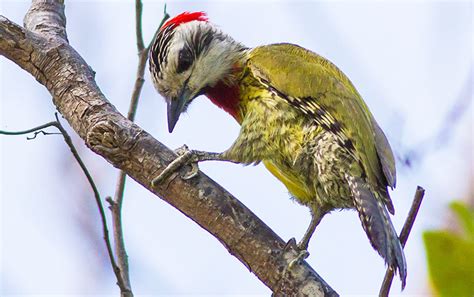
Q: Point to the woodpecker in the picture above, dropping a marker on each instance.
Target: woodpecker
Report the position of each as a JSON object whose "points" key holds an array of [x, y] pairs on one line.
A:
{"points": [[299, 115]]}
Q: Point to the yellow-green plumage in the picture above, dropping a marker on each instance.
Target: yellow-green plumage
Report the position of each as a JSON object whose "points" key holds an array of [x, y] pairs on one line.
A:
{"points": [[275, 131], [303, 118]]}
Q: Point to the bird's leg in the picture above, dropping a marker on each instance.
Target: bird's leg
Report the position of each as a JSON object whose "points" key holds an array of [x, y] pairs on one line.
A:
{"points": [[187, 156], [316, 216]]}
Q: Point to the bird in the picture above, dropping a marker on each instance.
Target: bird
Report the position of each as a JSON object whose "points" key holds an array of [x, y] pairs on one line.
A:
{"points": [[299, 115]]}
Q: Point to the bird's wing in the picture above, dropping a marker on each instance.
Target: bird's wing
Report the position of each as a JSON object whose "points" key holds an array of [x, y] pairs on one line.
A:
{"points": [[324, 93], [385, 154]]}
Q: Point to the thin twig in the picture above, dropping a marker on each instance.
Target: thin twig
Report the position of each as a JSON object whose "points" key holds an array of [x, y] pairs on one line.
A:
{"points": [[120, 251], [420, 193], [44, 126], [84, 169], [415, 206], [138, 25], [41, 132], [117, 202]]}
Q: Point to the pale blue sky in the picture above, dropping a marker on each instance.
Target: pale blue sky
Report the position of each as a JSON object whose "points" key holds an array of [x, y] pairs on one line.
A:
{"points": [[409, 60]]}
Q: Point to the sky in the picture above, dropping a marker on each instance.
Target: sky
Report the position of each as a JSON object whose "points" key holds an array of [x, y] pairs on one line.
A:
{"points": [[411, 62]]}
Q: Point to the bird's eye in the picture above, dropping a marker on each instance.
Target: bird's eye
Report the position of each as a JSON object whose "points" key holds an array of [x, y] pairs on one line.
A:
{"points": [[185, 59]]}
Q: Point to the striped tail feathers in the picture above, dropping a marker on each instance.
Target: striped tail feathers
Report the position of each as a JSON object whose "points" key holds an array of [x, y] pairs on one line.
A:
{"points": [[378, 226]]}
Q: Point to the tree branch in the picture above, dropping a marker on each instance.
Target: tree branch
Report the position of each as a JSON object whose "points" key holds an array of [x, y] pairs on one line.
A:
{"points": [[56, 65], [47, 18]]}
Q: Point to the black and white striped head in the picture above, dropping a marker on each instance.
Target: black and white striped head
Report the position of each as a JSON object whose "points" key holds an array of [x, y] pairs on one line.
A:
{"points": [[188, 55]]}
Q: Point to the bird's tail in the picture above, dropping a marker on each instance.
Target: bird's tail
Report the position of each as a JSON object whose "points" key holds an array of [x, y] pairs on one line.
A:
{"points": [[378, 226]]}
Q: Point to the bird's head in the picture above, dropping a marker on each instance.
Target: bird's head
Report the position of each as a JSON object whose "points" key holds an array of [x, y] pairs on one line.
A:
{"points": [[189, 55]]}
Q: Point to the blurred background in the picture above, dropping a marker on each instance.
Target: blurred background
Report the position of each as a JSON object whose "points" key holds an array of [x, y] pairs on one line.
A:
{"points": [[411, 62]]}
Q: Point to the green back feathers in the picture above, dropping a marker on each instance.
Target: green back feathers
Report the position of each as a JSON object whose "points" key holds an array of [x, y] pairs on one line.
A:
{"points": [[319, 83]]}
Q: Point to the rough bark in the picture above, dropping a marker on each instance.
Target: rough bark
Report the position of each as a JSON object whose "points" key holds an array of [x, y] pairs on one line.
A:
{"points": [[42, 49]]}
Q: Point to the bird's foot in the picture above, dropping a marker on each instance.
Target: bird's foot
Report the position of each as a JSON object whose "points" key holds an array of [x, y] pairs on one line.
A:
{"points": [[301, 250], [185, 156], [193, 161]]}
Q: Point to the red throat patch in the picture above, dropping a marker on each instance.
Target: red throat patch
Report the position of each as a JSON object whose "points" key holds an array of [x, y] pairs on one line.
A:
{"points": [[185, 17], [226, 98]]}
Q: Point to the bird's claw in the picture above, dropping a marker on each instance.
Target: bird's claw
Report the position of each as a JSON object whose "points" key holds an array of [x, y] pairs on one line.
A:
{"points": [[193, 172], [182, 150], [302, 254], [185, 156]]}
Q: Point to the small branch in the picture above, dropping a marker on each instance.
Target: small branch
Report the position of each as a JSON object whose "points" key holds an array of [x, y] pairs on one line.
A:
{"points": [[117, 202], [67, 139], [120, 251], [41, 127], [415, 206], [138, 25], [420, 193], [41, 132]]}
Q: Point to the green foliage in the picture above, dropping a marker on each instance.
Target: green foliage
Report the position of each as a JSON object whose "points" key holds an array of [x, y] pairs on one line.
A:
{"points": [[451, 255]]}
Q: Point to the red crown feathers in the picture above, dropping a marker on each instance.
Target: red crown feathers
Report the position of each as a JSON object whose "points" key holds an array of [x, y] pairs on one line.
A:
{"points": [[185, 17]]}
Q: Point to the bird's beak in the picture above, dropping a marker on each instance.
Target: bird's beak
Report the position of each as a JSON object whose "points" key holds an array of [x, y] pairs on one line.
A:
{"points": [[176, 106]]}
